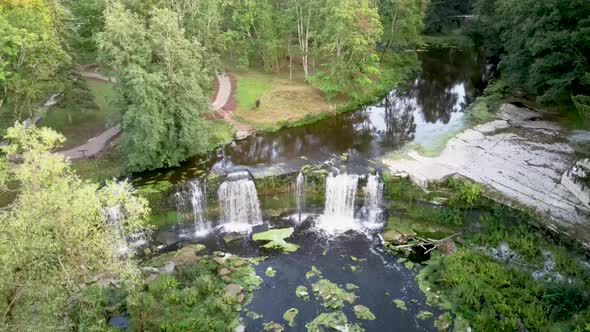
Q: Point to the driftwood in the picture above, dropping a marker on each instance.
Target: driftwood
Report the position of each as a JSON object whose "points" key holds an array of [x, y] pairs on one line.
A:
{"points": [[425, 242]]}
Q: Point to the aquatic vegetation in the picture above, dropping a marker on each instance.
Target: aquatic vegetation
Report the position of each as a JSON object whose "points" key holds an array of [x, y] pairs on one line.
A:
{"points": [[336, 320], [314, 272], [464, 193], [290, 315], [400, 304], [273, 327], [363, 312], [353, 268], [276, 239], [246, 277], [351, 286], [424, 315], [302, 292], [444, 321], [333, 296], [270, 271], [170, 302], [253, 315]]}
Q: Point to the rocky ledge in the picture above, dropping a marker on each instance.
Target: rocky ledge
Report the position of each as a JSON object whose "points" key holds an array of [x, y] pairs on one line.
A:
{"points": [[520, 158]]}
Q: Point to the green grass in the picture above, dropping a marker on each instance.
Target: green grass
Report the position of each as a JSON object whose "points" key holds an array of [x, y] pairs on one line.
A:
{"points": [[221, 133], [111, 164], [251, 86], [80, 124]]}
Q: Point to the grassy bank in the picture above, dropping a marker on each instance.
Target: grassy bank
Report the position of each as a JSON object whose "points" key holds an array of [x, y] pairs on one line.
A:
{"points": [[504, 273], [280, 100], [288, 103], [78, 124]]}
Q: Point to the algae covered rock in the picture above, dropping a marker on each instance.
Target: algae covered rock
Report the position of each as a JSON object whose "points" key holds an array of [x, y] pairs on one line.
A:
{"points": [[290, 315], [270, 271], [333, 296], [302, 292], [276, 239], [401, 304], [336, 321], [363, 312]]}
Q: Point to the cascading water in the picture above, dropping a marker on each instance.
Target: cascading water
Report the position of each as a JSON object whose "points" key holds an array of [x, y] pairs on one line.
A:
{"points": [[122, 241], [339, 209], [238, 202], [191, 204], [300, 194], [373, 198]]}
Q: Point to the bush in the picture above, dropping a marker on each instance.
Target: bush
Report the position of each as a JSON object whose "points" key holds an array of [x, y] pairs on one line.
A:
{"points": [[564, 299], [464, 194]]}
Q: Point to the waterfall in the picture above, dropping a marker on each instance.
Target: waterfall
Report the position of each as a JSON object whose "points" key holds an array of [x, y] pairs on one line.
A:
{"points": [[122, 241], [373, 197], [300, 193], [339, 209], [340, 195], [238, 201], [192, 201]]}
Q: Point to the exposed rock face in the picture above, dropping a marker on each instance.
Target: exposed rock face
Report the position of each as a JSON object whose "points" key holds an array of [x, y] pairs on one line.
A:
{"points": [[518, 155], [573, 180]]}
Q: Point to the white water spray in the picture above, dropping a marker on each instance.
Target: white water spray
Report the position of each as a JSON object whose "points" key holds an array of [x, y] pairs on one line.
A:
{"points": [[238, 202], [373, 198], [340, 197], [193, 202], [122, 241], [300, 194]]}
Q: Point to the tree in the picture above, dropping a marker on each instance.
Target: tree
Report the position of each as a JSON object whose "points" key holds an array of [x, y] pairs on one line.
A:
{"points": [[33, 62], [442, 14], [349, 33], [58, 234], [202, 20], [547, 45], [87, 20], [402, 21], [163, 80]]}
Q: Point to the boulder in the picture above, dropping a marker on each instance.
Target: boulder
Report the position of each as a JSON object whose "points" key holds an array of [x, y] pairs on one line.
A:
{"points": [[167, 269], [447, 247], [241, 134], [224, 272], [234, 289], [151, 278]]}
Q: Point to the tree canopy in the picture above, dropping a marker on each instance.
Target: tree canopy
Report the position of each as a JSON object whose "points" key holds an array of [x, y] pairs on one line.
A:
{"points": [[544, 45], [163, 80], [58, 234]]}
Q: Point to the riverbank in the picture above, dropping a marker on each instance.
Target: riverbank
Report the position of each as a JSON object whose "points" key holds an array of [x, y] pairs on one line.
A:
{"points": [[288, 102], [520, 158]]}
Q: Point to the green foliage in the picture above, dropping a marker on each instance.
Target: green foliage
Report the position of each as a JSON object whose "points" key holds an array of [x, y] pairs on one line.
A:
{"points": [[163, 81], [582, 104], [485, 289], [276, 239], [402, 21], [33, 61], [350, 30], [194, 300], [464, 193], [250, 88], [87, 20], [55, 236], [564, 299], [440, 16], [333, 296], [543, 44]]}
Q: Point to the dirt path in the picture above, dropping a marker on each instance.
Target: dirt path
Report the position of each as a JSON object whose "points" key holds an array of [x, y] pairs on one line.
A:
{"points": [[97, 144]]}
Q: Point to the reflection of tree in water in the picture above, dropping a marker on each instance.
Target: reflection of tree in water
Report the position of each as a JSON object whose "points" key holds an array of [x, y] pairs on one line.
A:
{"points": [[443, 70], [399, 120]]}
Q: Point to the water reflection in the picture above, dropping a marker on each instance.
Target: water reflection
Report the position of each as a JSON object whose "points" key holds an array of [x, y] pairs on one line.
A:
{"points": [[422, 111]]}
